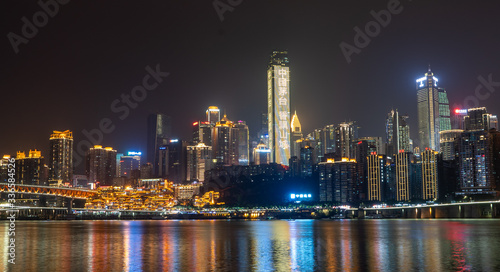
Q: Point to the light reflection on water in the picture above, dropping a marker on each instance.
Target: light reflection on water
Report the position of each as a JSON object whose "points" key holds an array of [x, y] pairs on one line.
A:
{"points": [[220, 245]]}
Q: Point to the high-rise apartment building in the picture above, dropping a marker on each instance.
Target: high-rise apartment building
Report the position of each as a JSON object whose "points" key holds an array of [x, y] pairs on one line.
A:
{"points": [[278, 107], [129, 163], [61, 158], [429, 175], [336, 180], [100, 165], [377, 176], [239, 148], [159, 132], [221, 141], [199, 160], [29, 169]]}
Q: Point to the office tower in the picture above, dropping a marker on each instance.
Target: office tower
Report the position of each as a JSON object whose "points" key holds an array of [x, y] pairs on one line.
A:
{"points": [[474, 120], [199, 160], [261, 154], [29, 170], [477, 154], [444, 110], [100, 165], [493, 122], [278, 107], [429, 175], [129, 163], [490, 121], [336, 180], [398, 133], [433, 108], [118, 171], [239, 148], [345, 135], [159, 131], [221, 141], [295, 135], [377, 176], [213, 115], [447, 143], [202, 133], [457, 118], [403, 170], [306, 160], [61, 158], [364, 147], [327, 139], [172, 161]]}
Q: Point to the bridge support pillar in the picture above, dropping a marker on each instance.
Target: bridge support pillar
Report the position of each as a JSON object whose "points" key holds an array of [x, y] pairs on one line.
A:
{"points": [[70, 205]]}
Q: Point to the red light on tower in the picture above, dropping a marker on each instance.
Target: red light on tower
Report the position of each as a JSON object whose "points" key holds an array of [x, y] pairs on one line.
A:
{"points": [[195, 123]]}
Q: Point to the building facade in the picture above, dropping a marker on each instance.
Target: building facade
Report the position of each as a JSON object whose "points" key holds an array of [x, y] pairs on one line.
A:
{"points": [[278, 107], [61, 158]]}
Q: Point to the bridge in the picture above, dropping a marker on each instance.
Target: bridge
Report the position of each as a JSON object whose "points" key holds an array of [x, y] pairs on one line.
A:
{"points": [[48, 191], [479, 209]]}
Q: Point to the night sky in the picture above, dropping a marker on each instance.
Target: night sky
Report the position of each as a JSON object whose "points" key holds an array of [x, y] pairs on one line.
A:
{"points": [[91, 52]]}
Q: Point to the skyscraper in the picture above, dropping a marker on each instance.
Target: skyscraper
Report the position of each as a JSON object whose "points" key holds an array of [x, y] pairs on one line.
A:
{"points": [[447, 143], [433, 109], [278, 106], [429, 175], [377, 176], [29, 170], [61, 158], [398, 133], [345, 135], [202, 132], [239, 150], [127, 164], [213, 115], [159, 131], [403, 170], [296, 134], [221, 141], [444, 110], [336, 180], [199, 160], [101, 165], [172, 161]]}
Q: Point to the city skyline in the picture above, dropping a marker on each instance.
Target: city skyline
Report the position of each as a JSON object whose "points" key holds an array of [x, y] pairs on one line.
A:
{"points": [[324, 89]]}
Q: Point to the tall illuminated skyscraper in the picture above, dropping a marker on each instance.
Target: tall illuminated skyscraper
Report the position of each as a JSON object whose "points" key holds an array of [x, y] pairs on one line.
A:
{"points": [[61, 158], [278, 106], [433, 111], [213, 115], [199, 160], [345, 135], [221, 141]]}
